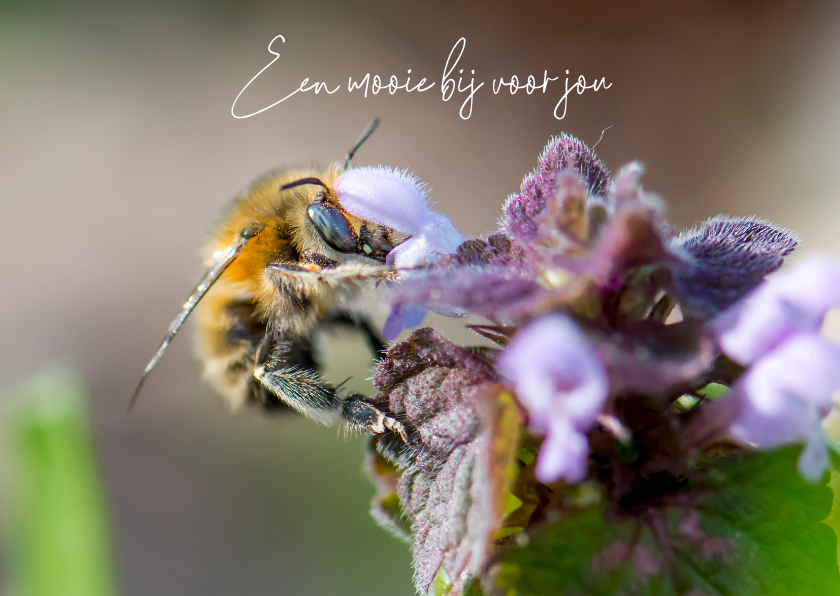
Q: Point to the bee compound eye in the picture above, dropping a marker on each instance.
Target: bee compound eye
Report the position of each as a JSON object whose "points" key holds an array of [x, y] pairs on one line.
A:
{"points": [[333, 227]]}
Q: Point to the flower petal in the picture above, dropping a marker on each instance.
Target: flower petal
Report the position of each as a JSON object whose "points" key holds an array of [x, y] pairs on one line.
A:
{"points": [[400, 317], [806, 367], [786, 395], [563, 384], [793, 301], [814, 459], [396, 199], [563, 455]]}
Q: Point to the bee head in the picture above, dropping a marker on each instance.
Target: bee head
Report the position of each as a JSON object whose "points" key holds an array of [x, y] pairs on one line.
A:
{"points": [[381, 213], [341, 231]]}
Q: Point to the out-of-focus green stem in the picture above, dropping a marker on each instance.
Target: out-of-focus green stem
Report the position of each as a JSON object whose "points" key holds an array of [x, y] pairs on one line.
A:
{"points": [[59, 542]]}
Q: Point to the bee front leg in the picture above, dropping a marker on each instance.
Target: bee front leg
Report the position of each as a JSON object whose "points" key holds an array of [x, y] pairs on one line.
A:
{"points": [[286, 369], [310, 257], [363, 415]]}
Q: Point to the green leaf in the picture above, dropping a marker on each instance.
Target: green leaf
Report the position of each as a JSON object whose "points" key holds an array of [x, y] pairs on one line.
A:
{"points": [[552, 563], [756, 531], [59, 542], [713, 391], [775, 520], [441, 585]]}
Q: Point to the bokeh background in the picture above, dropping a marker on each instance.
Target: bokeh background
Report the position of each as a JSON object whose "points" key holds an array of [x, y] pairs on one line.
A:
{"points": [[118, 151]]}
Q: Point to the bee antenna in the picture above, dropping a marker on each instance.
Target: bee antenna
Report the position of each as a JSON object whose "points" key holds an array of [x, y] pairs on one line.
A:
{"points": [[340, 385], [360, 141], [229, 254], [303, 181]]}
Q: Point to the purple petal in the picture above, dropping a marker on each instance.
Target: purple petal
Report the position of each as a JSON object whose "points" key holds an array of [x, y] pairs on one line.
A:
{"points": [[796, 422], [564, 455], [813, 461], [395, 322], [396, 199], [436, 238], [786, 395], [812, 286], [790, 421], [804, 368], [387, 196], [488, 291], [555, 368], [792, 302], [560, 380], [400, 317]]}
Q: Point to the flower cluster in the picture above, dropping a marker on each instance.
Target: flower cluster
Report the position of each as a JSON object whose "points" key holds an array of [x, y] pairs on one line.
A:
{"points": [[621, 361], [793, 370]]}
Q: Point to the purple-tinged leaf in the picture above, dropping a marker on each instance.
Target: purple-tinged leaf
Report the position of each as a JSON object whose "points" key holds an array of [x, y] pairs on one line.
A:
{"points": [[564, 220], [654, 359], [632, 238], [422, 349], [496, 250], [566, 153], [488, 291], [627, 190], [463, 434], [385, 508], [562, 154], [455, 529], [724, 259]]}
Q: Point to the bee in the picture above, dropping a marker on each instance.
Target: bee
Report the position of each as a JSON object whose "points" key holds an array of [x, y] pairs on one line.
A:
{"points": [[285, 261]]}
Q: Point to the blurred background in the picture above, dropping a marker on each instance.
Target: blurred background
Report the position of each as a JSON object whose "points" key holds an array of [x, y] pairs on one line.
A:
{"points": [[118, 151]]}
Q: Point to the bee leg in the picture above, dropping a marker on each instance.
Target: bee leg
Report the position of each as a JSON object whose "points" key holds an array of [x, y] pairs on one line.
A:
{"points": [[365, 416], [310, 257], [285, 367]]}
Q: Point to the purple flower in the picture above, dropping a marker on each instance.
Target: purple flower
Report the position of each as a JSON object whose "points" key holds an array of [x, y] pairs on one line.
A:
{"points": [[785, 396], [563, 384], [787, 390], [400, 317], [794, 301], [396, 199]]}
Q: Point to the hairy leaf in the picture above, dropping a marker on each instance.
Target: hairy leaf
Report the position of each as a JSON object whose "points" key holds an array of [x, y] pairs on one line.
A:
{"points": [[725, 258], [564, 153], [455, 471]]}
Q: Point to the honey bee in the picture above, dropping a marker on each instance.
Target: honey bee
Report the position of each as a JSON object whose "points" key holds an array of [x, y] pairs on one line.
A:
{"points": [[285, 261]]}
